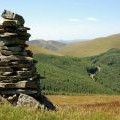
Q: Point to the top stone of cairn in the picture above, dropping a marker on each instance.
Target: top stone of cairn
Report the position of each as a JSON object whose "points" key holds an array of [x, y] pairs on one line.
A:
{"points": [[13, 16]]}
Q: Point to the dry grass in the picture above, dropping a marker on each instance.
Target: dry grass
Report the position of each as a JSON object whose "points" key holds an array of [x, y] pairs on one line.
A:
{"points": [[62, 100], [95, 107], [92, 107], [93, 47]]}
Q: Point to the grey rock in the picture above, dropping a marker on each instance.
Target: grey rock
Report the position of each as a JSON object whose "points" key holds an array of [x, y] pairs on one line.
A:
{"points": [[23, 29], [20, 84], [27, 101], [8, 52], [12, 41], [25, 73], [1, 26], [6, 69], [8, 27], [26, 84], [7, 85], [4, 63], [7, 73], [21, 65], [19, 91], [33, 69], [14, 48], [29, 53], [24, 37], [25, 69], [14, 77], [10, 23], [1, 30], [11, 79], [16, 58], [12, 98], [6, 35], [12, 16], [17, 78]]}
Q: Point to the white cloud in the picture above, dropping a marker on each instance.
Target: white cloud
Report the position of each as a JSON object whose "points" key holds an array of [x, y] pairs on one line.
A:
{"points": [[93, 19], [73, 20]]}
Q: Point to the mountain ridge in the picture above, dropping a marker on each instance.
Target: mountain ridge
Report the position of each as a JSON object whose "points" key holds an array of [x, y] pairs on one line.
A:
{"points": [[77, 48], [49, 45], [92, 47]]}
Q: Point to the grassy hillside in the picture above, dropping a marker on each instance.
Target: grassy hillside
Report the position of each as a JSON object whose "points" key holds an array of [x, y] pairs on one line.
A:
{"points": [[92, 47], [71, 75], [37, 50]]}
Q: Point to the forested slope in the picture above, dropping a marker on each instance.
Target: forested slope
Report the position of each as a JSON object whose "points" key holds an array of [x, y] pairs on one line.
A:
{"points": [[73, 75]]}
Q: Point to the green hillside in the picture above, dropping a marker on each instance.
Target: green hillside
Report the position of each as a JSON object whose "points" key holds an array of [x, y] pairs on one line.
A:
{"points": [[72, 75], [92, 47]]}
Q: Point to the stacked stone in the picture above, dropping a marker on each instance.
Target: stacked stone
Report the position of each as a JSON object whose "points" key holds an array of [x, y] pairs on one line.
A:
{"points": [[17, 66]]}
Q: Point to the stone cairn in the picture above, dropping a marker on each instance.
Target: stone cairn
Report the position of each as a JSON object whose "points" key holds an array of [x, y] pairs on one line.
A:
{"points": [[18, 76], [19, 80]]}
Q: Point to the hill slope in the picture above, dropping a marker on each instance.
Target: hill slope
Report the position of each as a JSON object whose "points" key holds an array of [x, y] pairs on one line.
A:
{"points": [[71, 75], [49, 45], [37, 50], [92, 47]]}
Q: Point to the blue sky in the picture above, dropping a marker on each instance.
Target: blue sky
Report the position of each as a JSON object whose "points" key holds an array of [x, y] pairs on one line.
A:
{"points": [[67, 19]]}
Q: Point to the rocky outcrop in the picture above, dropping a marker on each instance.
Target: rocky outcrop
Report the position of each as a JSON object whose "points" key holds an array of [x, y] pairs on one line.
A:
{"points": [[92, 71]]}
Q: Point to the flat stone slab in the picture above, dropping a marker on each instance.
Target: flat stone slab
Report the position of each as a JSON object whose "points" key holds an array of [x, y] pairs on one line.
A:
{"points": [[6, 35], [20, 29], [10, 23], [17, 64], [26, 73], [20, 84], [23, 28], [24, 36], [6, 69], [11, 41], [13, 48], [19, 91], [1, 30], [17, 78], [16, 58], [8, 53], [6, 73]]}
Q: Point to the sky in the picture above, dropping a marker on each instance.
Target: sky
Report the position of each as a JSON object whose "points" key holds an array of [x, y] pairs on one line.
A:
{"points": [[67, 19]]}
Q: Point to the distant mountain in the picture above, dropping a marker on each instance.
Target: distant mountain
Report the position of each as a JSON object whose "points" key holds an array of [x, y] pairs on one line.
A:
{"points": [[49, 45], [71, 41], [91, 47], [38, 50]]}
